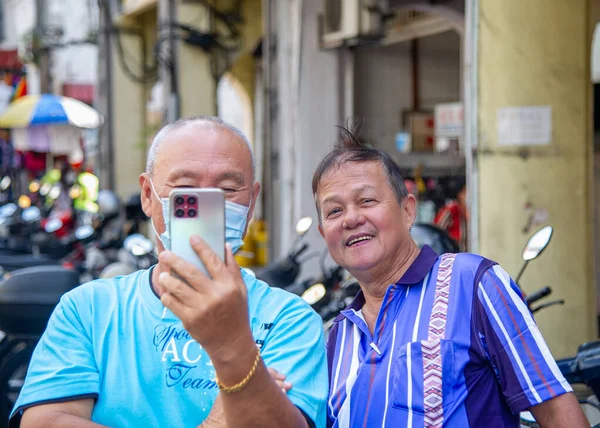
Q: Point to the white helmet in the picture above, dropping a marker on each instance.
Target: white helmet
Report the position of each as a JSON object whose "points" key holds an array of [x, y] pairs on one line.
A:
{"points": [[116, 269], [109, 204]]}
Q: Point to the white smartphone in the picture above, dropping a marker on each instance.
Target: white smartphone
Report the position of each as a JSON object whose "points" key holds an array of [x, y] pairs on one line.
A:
{"points": [[197, 212]]}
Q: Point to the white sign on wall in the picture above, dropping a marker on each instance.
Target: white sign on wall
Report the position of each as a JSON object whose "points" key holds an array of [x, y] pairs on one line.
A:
{"points": [[449, 120], [524, 126]]}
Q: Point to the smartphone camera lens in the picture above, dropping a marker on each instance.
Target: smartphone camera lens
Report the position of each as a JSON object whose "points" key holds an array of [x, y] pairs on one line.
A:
{"points": [[179, 200], [192, 212], [179, 213], [192, 200]]}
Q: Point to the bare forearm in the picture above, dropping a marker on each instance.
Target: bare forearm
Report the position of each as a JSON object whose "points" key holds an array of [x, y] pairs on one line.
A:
{"points": [[261, 403], [56, 420], [563, 411], [216, 418]]}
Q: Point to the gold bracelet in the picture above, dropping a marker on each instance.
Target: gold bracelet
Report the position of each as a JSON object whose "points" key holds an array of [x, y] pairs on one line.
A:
{"points": [[244, 382]]}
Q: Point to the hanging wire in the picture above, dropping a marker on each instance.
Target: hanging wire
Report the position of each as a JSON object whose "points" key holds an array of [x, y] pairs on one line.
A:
{"points": [[144, 74], [218, 44]]}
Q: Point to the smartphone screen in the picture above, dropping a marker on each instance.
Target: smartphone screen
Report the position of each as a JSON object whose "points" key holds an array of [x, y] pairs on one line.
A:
{"points": [[197, 212]]}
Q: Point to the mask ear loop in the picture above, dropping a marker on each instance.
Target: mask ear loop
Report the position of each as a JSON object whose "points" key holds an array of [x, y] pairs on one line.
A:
{"points": [[151, 219], [156, 232], [164, 313]]}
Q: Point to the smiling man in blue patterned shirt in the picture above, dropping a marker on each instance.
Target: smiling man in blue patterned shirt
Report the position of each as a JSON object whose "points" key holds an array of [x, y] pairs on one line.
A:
{"points": [[430, 341]]}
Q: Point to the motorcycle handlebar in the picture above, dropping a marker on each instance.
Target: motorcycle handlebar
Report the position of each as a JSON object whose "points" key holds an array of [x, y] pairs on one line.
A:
{"points": [[301, 250], [537, 295], [545, 305]]}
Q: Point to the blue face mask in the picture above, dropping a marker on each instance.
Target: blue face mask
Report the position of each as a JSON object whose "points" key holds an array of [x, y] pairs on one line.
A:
{"points": [[235, 223]]}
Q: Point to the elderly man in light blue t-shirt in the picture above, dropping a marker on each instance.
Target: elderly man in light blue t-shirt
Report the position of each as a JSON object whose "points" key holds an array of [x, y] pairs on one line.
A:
{"points": [[148, 350]]}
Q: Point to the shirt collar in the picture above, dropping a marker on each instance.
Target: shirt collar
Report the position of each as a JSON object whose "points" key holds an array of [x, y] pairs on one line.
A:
{"points": [[419, 269], [416, 272]]}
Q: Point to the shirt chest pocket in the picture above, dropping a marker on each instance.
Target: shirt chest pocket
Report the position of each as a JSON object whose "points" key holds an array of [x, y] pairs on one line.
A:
{"points": [[424, 376]]}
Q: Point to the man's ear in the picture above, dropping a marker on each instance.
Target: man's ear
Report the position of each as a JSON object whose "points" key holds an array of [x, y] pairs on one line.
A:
{"points": [[255, 193], [410, 209], [146, 194], [321, 231]]}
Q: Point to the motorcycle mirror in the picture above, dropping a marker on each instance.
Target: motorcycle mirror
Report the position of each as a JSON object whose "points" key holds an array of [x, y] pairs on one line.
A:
{"points": [[31, 214], [314, 293], [5, 183], [24, 201], [303, 225], [54, 192], [84, 232], [138, 245], [53, 225], [537, 243], [8, 210]]}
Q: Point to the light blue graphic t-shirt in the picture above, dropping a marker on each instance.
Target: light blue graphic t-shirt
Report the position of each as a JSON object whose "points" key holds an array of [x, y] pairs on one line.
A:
{"points": [[108, 340]]}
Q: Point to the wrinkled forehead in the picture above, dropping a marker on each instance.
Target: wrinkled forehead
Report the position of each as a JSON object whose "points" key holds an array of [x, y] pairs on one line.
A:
{"points": [[345, 174]]}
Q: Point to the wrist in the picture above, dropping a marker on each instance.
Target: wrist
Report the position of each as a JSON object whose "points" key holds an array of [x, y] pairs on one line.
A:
{"points": [[233, 364], [233, 348]]}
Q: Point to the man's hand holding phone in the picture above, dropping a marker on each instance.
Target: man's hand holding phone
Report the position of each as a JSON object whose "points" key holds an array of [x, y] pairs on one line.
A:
{"points": [[213, 310]]}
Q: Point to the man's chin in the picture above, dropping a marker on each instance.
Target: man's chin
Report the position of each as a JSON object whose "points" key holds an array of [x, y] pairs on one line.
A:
{"points": [[359, 267]]}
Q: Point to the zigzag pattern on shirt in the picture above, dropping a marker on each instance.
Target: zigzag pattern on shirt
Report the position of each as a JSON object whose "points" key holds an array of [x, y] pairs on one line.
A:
{"points": [[431, 348]]}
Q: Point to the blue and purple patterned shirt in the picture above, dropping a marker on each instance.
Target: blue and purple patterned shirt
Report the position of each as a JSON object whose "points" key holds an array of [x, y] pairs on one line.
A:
{"points": [[454, 345]]}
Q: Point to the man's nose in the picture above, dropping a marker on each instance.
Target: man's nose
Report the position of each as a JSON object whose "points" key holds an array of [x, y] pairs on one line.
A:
{"points": [[353, 218]]}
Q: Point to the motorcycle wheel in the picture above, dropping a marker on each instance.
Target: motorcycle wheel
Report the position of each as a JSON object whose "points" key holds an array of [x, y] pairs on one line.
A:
{"points": [[12, 376]]}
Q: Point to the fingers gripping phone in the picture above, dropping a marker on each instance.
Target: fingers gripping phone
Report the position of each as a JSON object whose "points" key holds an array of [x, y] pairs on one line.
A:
{"points": [[197, 212]]}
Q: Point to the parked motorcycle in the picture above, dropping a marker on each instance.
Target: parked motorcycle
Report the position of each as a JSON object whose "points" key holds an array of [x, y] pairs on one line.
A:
{"points": [[284, 272], [87, 246], [27, 299], [323, 294], [582, 369], [434, 237], [28, 296], [137, 253]]}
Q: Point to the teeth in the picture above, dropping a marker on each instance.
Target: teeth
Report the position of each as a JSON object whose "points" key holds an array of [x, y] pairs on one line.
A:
{"points": [[362, 238]]}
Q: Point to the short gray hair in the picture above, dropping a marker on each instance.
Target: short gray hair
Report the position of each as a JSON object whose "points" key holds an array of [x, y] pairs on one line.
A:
{"points": [[161, 136]]}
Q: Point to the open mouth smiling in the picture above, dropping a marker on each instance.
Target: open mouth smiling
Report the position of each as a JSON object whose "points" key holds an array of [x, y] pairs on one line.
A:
{"points": [[356, 239]]}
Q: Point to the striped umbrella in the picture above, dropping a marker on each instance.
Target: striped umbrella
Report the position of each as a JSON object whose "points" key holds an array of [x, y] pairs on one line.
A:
{"points": [[49, 109]]}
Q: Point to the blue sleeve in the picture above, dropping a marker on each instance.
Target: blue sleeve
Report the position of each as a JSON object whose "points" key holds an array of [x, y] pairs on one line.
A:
{"points": [[295, 347], [63, 365], [527, 372]]}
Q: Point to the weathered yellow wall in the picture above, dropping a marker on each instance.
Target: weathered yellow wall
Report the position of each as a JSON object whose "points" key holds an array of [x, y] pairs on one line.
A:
{"points": [[197, 87], [244, 66], [129, 120], [533, 53]]}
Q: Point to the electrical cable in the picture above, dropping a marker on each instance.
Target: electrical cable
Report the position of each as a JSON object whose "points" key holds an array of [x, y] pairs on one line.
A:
{"points": [[148, 75]]}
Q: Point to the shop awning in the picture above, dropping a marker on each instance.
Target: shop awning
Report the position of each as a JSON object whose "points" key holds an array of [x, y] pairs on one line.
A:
{"points": [[80, 91], [9, 60]]}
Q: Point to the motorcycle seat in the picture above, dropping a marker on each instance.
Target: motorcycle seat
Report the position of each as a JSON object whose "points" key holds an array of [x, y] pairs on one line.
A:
{"points": [[28, 297]]}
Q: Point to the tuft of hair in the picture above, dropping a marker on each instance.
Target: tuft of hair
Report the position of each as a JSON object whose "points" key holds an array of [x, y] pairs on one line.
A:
{"points": [[162, 135], [349, 148]]}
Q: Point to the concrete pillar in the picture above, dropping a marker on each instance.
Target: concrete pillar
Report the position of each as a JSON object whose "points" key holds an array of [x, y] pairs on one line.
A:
{"points": [[537, 53]]}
